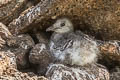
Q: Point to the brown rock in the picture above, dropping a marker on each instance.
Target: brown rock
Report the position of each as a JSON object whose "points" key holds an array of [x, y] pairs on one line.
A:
{"points": [[3, 2], [20, 45], [4, 33], [26, 18], [22, 76], [97, 17], [10, 9], [7, 60], [40, 55], [110, 50], [8, 69], [115, 73]]}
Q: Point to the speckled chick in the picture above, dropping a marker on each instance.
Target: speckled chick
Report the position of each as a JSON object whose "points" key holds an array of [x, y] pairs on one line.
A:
{"points": [[71, 47]]}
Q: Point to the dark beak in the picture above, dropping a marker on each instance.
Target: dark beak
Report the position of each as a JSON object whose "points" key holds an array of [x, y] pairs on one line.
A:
{"points": [[51, 28]]}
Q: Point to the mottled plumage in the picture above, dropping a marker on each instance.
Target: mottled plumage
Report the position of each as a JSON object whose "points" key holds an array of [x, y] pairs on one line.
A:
{"points": [[69, 47]]}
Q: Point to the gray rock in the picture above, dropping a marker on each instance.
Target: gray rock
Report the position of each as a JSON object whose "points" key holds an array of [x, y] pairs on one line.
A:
{"points": [[61, 72]]}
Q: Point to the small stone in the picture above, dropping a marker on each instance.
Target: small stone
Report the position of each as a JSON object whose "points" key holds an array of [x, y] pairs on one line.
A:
{"points": [[40, 55]]}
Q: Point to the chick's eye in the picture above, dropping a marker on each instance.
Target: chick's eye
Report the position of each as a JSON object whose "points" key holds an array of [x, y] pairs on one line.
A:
{"points": [[62, 24]]}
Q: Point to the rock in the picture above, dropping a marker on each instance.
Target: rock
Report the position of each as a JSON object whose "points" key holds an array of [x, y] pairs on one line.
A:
{"points": [[8, 69], [22, 76], [10, 9], [4, 33], [115, 73], [61, 72], [40, 55], [27, 17], [3, 2], [21, 45], [110, 49], [7, 62], [89, 16]]}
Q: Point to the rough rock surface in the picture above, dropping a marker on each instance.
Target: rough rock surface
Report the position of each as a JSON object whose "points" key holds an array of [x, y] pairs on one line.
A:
{"points": [[7, 60], [40, 55], [96, 17], [8, 69], [21, 45], [115, 73], [100, 18], [3, 2], [4, 33], [61, 72], [110, 49], [10, 9], [28, 16]]}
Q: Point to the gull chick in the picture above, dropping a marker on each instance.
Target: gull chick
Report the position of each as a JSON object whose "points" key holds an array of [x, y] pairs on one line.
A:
{"points": [[71, 47]]}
